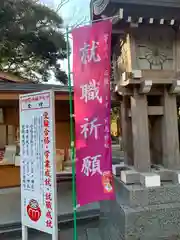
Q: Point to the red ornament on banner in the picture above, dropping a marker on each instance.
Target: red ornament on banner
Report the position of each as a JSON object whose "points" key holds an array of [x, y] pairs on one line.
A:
{"points": [[107, 181]]}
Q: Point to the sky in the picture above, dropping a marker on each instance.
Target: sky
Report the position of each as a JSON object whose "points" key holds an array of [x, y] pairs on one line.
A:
{"points": [[73, 12]]}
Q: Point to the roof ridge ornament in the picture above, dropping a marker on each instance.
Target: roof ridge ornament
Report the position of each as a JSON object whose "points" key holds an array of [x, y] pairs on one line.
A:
{"points": [[99, 6]]}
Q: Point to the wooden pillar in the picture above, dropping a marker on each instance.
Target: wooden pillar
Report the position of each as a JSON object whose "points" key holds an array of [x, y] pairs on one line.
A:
{"points": [[126, 132], [170, 139], [140, 132], [156, 140]]}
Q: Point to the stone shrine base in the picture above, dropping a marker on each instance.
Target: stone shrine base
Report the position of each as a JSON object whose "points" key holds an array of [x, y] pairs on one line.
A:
{"points": [[141, 213]]}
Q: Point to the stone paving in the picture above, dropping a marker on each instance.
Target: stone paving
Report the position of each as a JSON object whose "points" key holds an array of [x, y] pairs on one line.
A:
{"points": [[10, 205], [10, 212], [64, 235], [10, 199], [87, 231]]}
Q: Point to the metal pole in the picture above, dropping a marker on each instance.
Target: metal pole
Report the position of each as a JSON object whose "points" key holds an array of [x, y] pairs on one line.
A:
{"points": [[24, 232], [94, 21], [72, 138]]}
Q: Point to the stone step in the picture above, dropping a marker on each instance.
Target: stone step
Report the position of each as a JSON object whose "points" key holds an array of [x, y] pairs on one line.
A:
{"points": [[93, 234]]}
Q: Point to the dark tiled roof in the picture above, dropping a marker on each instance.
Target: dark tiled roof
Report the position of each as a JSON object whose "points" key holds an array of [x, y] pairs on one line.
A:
{"points": [[164, 3], [166, 9], [31, 87]]}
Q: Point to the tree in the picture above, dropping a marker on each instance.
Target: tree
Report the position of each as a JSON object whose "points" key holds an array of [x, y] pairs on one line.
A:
{"points": [[31, 40]]}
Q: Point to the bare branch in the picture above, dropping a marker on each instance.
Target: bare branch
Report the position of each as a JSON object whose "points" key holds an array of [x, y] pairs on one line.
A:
{"points": [[74, 21], [61, 4], [80, 22]]}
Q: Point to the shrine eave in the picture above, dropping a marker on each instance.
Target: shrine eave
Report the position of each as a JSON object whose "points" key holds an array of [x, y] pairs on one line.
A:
{"points": [[137, 11], [13, 87]]}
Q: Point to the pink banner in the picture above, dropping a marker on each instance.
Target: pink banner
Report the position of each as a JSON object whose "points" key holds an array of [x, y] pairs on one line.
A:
{"points": [[91, 67]]}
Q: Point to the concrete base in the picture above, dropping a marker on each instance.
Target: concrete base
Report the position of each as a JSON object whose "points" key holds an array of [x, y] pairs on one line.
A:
{"points": [[130, 177], [141, 213], [150, 180]]}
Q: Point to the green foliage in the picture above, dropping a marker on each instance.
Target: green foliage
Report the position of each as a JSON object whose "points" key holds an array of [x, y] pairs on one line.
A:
{"points": [[31, 40]]}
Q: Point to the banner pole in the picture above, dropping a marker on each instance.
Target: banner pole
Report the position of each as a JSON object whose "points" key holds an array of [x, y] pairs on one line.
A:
{"points": [[72, 138], [97, 20]]}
